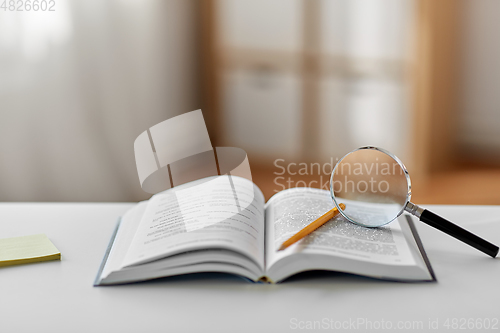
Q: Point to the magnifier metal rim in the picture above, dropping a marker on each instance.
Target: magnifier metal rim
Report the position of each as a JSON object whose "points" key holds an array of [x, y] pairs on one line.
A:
{"points": [[403, 167]]}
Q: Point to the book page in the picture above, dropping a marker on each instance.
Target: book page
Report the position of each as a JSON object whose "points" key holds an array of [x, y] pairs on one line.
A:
{"points": [[291, 210], [216, 212]]}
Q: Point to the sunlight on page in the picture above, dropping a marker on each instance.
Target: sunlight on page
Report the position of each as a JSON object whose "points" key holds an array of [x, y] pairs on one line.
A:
{"points": [[224, 203]]}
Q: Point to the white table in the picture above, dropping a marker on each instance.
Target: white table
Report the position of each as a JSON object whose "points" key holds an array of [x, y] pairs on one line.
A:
{"points": [[58, 296]]}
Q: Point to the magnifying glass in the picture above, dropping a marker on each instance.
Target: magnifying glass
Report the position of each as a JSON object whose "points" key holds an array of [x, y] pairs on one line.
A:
{"points": [[375, 187]]}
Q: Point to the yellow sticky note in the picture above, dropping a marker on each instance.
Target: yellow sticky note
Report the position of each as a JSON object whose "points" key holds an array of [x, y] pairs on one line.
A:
{"points": [[27, 249]]}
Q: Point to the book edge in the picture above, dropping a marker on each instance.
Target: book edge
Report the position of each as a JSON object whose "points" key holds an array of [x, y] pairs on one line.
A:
{"points": [[97, 281], [420, 246]]}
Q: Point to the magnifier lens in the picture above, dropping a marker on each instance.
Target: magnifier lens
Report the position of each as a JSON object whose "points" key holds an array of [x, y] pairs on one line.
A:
{"points": [[372, 184], [375, 188]]}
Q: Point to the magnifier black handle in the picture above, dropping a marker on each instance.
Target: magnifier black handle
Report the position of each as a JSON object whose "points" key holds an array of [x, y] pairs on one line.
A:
{"points": [[455, 231]]}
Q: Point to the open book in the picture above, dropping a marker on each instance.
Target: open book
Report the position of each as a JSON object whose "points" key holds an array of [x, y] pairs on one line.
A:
{"points": [[222, 224]]}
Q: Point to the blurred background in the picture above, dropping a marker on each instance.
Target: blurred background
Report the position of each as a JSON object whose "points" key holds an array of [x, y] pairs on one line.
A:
{"points": [[289, 81]]}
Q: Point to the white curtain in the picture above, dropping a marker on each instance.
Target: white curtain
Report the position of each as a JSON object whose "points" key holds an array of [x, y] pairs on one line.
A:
{"points": [[79, 84]]}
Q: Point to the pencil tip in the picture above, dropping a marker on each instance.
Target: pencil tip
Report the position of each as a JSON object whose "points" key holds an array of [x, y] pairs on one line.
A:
{"points": [[282, 247]]}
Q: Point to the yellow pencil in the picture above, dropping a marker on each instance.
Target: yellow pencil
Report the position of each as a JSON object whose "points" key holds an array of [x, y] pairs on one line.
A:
{"points": [[311, 227]]}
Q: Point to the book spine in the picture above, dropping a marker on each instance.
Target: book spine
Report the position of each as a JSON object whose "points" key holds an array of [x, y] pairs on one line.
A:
{"points": [[97, 281], [420, 246]]}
